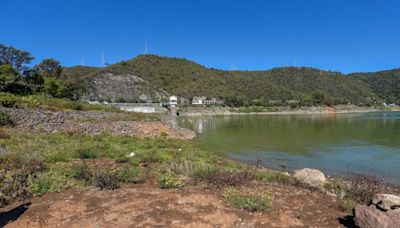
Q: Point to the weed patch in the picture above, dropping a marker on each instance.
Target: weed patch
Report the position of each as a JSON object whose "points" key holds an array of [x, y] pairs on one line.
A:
{"points": [[15, 173], [106, 180], [168, 180], [256, 200], [48, 182]]}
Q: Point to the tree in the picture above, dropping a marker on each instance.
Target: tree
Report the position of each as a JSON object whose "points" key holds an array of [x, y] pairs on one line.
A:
{"points": [[319, 98], [49, 68], [7, 76], [34, 80], [16, 58], [51, 87]]}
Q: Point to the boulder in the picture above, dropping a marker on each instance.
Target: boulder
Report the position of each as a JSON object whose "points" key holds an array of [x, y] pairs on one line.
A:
{"points": [[386, 202], [372, 217], [313, 177]]}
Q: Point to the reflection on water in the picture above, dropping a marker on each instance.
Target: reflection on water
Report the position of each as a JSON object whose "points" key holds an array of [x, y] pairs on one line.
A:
{"points": [[334, 143]]}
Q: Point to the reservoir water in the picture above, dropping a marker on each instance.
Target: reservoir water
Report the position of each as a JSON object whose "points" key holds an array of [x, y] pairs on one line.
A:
{"points": [[334, 143]]}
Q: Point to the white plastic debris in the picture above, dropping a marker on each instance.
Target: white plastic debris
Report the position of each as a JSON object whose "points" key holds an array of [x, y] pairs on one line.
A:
{"points": [[131, 155]]}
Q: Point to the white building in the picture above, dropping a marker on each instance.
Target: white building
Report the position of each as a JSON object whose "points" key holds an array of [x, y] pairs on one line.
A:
{"points": [[173, 100], [198, 100]]}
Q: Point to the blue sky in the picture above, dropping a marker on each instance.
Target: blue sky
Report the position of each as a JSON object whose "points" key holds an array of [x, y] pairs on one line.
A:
{"points": [[342, 35]]}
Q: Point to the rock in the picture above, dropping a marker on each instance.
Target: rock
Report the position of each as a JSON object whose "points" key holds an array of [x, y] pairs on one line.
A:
{"points": [[371, 217], [313, 177], [386, 201]]}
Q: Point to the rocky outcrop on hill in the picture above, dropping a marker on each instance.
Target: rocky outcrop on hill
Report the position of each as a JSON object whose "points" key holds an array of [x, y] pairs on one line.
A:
{"points": [[121, 88]]}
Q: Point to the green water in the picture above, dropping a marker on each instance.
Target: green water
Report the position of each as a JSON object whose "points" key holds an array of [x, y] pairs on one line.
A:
{"points": [[337, 144]]}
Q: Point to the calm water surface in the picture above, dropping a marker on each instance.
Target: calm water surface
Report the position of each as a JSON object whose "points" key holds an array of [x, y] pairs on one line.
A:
{"points": [[336, 144]]}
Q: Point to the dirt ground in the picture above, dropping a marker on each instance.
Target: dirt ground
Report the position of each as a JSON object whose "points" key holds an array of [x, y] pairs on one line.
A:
{"points": [[144, 205]]}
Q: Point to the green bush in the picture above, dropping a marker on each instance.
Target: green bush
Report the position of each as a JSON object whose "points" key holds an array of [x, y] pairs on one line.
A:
{"points": [[5, 119], [15, 173], [347, 205], [128, 175], [273, 177], [7, 100], [56, 157], [251, 201], [106, 180], [85, 154], [48, 182], [81, 172], [168, 180]]}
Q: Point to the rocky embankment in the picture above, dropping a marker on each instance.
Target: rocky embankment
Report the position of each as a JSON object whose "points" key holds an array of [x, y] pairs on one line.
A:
{"points": [[121, 88], [93, 123]]}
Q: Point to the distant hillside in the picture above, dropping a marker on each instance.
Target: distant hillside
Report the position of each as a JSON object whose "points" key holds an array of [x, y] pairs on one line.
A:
{"points": [[157, 76], [386, 84]]}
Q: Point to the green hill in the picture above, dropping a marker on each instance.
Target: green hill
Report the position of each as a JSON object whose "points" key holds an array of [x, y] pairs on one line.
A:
{"points": [[386, 84], [276, 86]]}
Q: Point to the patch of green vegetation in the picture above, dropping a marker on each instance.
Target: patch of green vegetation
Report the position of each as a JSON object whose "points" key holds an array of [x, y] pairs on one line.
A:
{"points": [[7, 100], [129, 174], [256, 200], [51, 181], [273, 177], [347, 205], [168, 180], [15, 173], [80, 172], [65, 147], [43, 101], [5, 119], [86, 154]]}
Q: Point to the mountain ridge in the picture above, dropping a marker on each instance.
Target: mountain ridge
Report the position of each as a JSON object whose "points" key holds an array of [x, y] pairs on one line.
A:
{"points": [[307, 85]]}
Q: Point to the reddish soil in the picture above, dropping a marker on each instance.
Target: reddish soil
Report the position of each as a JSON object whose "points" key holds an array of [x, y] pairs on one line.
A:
{"points": [[144, 205]]}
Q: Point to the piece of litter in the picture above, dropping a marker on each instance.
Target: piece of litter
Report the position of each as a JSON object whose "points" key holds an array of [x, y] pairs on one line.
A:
{"points": [[130, 155]]}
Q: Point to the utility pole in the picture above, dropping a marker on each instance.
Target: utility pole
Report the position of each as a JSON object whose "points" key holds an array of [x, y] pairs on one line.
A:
{"points": [[103, 62], [146, 51], [82, 61]]}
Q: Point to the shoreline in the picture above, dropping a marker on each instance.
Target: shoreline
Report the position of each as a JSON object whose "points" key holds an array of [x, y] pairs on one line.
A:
{"points": [[288, 112]]}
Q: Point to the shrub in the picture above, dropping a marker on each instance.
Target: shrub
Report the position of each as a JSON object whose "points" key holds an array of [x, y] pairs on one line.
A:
{"points": [[163, 134], [5, 119], [56, 157], [85, 154], [168, 180], [335, 186], [362, 187], [224, 177], [347, 205], [14, 175], [274, 177], [106, 180], [76, 105], [81, 172], [250, 201], [128, 175], [48, 182], [7, 100]]}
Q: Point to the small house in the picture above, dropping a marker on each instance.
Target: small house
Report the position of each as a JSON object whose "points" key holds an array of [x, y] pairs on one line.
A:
{"points": [[173, 100], [198, 100]]}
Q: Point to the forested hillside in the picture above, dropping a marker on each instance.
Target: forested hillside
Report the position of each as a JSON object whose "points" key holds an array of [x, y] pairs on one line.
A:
{"points": [[386, 84], [279, 86]]}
